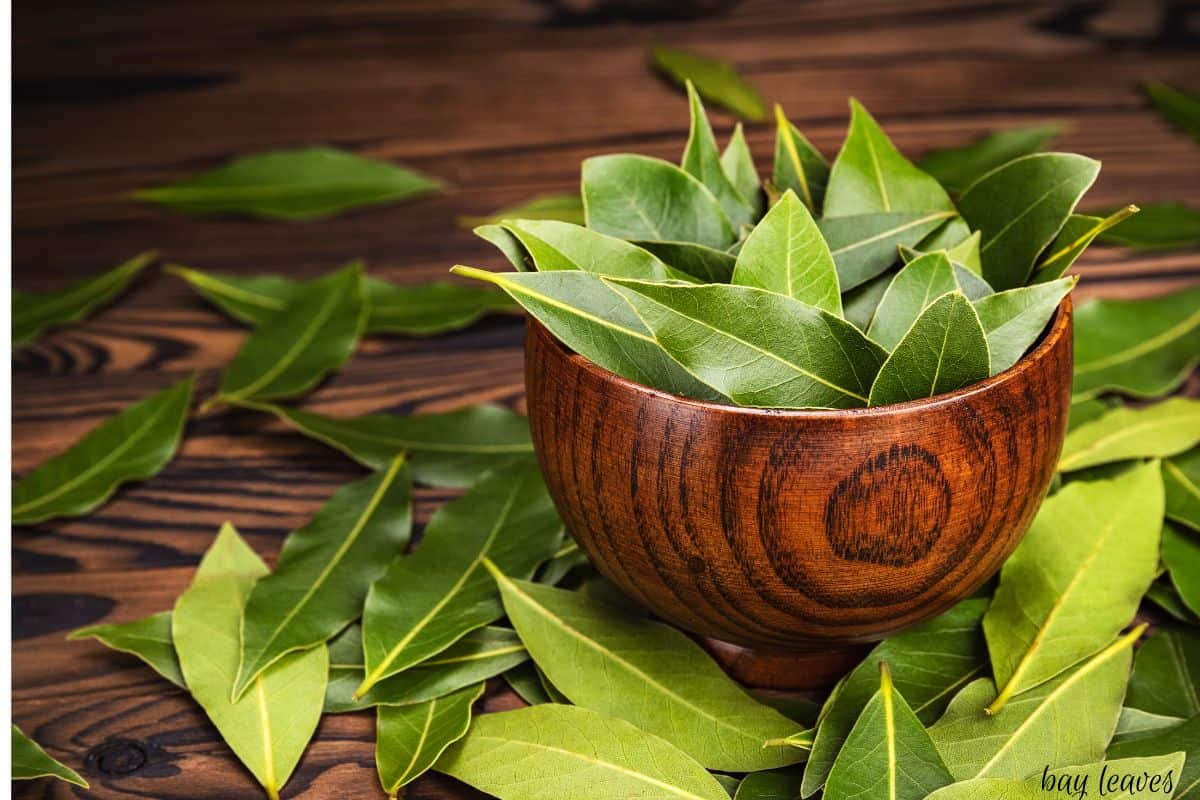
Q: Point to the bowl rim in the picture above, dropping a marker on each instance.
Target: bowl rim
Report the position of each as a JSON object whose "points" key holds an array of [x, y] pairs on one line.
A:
{"points": [[1060, 326]]}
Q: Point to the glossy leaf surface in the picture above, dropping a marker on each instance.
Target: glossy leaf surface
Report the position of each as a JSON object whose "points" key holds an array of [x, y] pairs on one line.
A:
{"points": [[866, 245], [1013, 320], [1157, 431], [559, 245], [409, 739], [915, 287], [702, 160], [798, 165]]}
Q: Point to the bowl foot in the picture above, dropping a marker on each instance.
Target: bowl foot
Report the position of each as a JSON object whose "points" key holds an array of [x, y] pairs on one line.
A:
{"points": [[785, 669]]}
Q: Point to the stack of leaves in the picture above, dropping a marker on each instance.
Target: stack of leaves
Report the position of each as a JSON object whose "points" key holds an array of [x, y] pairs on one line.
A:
{"points": [[863, 283]]}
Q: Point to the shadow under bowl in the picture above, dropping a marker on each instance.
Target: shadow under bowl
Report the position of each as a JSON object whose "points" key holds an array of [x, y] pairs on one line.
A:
{"points": [[793, 531]]}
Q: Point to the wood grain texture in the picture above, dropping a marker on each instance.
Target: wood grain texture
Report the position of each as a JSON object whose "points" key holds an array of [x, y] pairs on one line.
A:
{"points": [[502, 101]]}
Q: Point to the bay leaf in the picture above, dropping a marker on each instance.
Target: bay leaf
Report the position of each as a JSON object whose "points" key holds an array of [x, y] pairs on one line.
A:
{"points": [[1166, 674], [637, 197], [451, 449], [716, 80], [148, 638], [1020, 208], [917, 285], [1137, 724], [325, 569], [430, 599], [798, 165], [562, 207], [563, 246], [965, 263], [739, 166], [966, 253], [956, 168], [133, 445], [1185, 738], [1163, 595], [560, 752], [945, 349], [870, 176], [888, 753], [929, 664], [774, 784], [1014, 319], [1157, 226], [860, 303], [757, 347], [29, 761], [702, 160], [503, 240], [291, 351], [1076, 579], [646, 673], [270, 727], [1181, 483], [34, 314], [705, 264], [292, 184], [951, 233], [409, 739], [593, 319], [481, 654], [1181, 556], [1143, 348], [1077, 711], [566, 558], [1157, 431], [1079, 231], [786, 254], [866, 245], [1113, 780], [1082, 411], [251, 300], [525, 680], [1177, 106]]}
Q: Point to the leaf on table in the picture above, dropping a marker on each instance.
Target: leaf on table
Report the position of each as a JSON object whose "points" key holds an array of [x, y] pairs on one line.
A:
{"points": [[702, 160], [1177, 106], [887, 753], [956, 168], [589, 316], [269, 728], [409, 739], [325, 569], [646, 673], [292, 184], [561, 207], [450, 450], [798, 165], [917, 285], [562, 246], [291, 351], [1166, 674], [1077, 711], [1077, 233], [757, 347], [870, 176], [1157, 226], [1181, 483], [430, 599], [1156, 431], [30, 761], [250, 300], [1118, 780], [33, 314], [1014, 319], [553, 751], [786, 254], [133, 445], [866, 245], [929, 663], [637, 197], [1143, 348], [1020, 208], [739, 166], [1185, 738], [481, 654], [944, 350], [148, 638], [705, 264], [1076, 579], [717, 81], [1181, 557]]}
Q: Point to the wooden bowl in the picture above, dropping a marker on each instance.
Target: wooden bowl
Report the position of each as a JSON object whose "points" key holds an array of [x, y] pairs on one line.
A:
{"points": [[797, 530]]}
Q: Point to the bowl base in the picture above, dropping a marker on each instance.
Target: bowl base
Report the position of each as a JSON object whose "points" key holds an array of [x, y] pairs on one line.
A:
{"points": [[785, 669]]}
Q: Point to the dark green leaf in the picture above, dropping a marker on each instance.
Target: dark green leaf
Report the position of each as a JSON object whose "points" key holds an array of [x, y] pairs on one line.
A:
{"points": [[945, 349], [739, 166], [1157, 226], [1013, 320], [702, 161], [1181, 481], [33, 314], [506, 243], [716, 80], [133, 445], [1185, 738], [1181, 556], [1020, 207], [409, 739], [956, 168], [525, 681], [706, 264], [292, 184], [860, 303], [561, 246], [1166, 674], [1158, 431], [775, 784], [1137, 724], [30, 761], [866, 245], [1163, 595], [798, 165], [1078, 232], [758, 347], [1179, 107], [562, 207], [915, 287], [148, 638]]}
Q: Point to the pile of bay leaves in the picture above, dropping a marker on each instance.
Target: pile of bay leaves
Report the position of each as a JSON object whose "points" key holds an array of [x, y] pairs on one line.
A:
{"points": [[1033, 683]]}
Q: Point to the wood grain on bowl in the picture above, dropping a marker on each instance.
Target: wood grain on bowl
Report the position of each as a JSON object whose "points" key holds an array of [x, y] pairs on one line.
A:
{"points": [[797, 530]]}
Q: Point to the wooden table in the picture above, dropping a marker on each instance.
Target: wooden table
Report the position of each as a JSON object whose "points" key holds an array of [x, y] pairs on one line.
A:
{"points": [[502, 102]]}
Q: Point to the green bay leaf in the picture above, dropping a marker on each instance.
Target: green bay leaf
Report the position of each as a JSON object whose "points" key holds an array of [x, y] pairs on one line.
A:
{"points": [[956, 168], [705, 264], [1181, 557], [1108, 779], [1185, 738], [29, 761], [292, 184], [860, 303], [1177, 106], [1166, 674], [716, 80], [1014, 319], [917, 285], [1137, 724], [798, 165], [1158, 431], [739, 166], [1157, 226], [409, 739], [148, 638], [1077, 233], [865, 245], [774, 784], [1181, 483], [133, 445], [562, 246], [702, 160]]}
